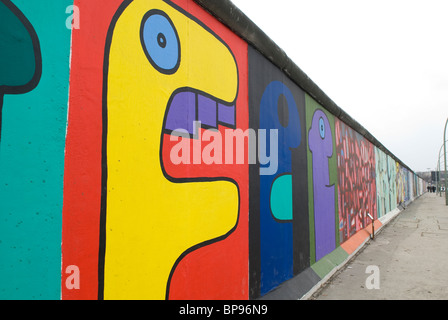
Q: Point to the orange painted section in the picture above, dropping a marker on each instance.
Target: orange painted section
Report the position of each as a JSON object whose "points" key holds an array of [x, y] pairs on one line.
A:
{"points": [[355, 241]]}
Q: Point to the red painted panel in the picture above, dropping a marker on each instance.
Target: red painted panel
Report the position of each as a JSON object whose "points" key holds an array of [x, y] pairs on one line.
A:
{"points": [[216, 271], [82, 179], [219, 270]]}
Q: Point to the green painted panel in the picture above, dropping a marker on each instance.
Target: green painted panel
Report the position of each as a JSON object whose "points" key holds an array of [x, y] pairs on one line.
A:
{"points": [[329, 262]]}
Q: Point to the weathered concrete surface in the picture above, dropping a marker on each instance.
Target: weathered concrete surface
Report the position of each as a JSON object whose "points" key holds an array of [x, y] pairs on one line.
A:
{"points": [[411, 253]]}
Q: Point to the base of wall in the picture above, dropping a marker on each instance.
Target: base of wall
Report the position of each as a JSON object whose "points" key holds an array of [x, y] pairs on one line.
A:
{"points": [[384, 220], [308, 282]]}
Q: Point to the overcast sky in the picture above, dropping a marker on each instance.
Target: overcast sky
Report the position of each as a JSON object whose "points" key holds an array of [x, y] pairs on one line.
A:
{"points": [[384, 62]]}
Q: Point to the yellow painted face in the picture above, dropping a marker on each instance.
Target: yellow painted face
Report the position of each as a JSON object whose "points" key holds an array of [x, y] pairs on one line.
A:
{"points": [[160, 58]]}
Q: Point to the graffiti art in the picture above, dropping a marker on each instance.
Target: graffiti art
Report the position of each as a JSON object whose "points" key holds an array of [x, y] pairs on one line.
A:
{"points": [[356, 180]]}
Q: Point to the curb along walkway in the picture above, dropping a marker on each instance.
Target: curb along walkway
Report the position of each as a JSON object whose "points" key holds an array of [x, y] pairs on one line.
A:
{"points": [[407, 260]]}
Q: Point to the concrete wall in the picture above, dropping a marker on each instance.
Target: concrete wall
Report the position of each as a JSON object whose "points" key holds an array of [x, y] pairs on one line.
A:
{"points": [[150, 152]]}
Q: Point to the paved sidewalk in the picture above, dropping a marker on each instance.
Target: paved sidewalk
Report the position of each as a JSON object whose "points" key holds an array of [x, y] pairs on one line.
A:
{"points": [[411, 253]]}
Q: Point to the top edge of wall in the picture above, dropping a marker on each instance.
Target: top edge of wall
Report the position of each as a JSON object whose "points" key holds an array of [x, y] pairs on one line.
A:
{"points": [[231, 16]]}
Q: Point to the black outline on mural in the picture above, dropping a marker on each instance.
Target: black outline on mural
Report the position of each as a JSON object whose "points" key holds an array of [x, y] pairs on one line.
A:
{"points": [[4, 89], [104, 169]]}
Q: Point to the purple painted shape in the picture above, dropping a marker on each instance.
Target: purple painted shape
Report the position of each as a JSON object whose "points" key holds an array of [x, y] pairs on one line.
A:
{"points": [[321, 146], [182, 112], [226, 114], [207, 111]]}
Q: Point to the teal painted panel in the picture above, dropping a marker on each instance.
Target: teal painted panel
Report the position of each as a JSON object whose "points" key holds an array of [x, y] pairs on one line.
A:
{"points": [[281, 197], [32, 164]]}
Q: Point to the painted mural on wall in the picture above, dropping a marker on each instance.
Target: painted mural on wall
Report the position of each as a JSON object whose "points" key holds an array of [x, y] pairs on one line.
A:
{"points": [[34, 74], [204, 207], [323, 180], [404, 185], [356, 180], [157, 155], [20, 56], [178, 51], [386, 187], [279, 211], [83, 161]]}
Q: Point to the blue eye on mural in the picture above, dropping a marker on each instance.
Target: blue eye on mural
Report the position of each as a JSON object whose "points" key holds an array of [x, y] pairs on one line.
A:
{"points": [[322, 128], [160, 41]]}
